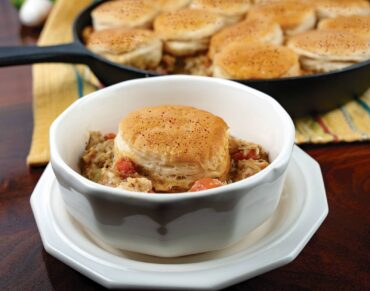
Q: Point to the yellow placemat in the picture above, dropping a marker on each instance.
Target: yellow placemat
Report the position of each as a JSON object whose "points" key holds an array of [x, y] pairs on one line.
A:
{"points": [[55, 86]]}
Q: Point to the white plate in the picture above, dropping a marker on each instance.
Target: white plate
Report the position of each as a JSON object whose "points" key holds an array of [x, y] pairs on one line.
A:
{"points": [[278, 241]]}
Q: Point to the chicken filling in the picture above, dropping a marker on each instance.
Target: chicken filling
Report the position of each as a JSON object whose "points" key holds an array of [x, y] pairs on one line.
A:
{"points": [[98, 164]]}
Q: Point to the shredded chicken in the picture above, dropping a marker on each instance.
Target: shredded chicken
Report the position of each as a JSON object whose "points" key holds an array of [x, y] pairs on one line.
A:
{"points": [[98, 164], [137, 185]]}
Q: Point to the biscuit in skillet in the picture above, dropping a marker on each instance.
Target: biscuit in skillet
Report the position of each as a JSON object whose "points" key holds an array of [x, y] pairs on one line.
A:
{"points": [[172, 5], [244, 60], [187, 31], [124, 13], [140, 48], [232, 10], [335, 8], [327, 50], [266, 31], [294, 17], [357, 24]]}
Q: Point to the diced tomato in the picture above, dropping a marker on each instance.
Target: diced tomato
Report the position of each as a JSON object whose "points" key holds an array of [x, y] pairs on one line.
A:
{"points": [[110, 135], [125, 167], [241, 155], [205, 183]]}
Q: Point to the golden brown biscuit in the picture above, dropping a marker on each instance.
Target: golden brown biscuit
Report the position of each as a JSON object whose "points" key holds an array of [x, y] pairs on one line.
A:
{"points": [[241, 60], [140, 48], [293, 17], [335, 8], [266, 31], [359, 25], [172, 5], [281, 1], [323, 50], [232, 10], [175, 145], [187, 31], [124, 13], [319, 66]]}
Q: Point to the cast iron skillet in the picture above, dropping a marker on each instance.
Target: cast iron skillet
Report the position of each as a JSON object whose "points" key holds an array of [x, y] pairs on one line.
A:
{"points": [[299, 95]]}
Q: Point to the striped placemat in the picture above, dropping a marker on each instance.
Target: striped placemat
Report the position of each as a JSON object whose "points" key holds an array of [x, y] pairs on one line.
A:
{"points": [[53, 92], [348, 123]]}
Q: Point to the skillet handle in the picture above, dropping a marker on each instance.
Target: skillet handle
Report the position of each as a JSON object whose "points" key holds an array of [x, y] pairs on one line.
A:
{"points": [[65, 53]]}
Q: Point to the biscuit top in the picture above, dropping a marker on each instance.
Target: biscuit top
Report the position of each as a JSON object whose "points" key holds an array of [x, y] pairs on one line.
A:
{"points": [[342, 4], [119, 40], [335, 8], [243, 60], [356, 24], [248, 30], [172, 5], [125, 12], [288, 14], [187, 24], [178, 134], [225, 7], [329, 44]]}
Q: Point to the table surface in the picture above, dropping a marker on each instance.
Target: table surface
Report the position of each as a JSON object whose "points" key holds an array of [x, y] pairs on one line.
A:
{"points": [[337, 257]]}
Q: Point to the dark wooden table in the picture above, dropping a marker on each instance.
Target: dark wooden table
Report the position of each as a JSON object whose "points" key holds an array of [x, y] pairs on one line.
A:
{"points": [[336, 258]]}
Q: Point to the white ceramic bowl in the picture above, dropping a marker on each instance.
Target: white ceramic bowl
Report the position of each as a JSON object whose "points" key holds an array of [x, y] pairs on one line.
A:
{"points": [[179, 224]]}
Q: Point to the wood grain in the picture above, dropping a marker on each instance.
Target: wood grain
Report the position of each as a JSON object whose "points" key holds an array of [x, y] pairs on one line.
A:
{"points": [[336, 258]]}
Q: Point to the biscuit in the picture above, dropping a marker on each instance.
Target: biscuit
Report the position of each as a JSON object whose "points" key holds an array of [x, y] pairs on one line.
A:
{"points": [[359, 25], [266, 31], [314, 65], [140, 48], [232, 10], [294, 17], [187, 31], [335, 8], [124, 13], [175, 145], [321, 48], [172, 5], [242, 60]]}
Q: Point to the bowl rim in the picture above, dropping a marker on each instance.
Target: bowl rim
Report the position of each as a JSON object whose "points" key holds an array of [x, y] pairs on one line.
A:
{"points": [[281, 160]]}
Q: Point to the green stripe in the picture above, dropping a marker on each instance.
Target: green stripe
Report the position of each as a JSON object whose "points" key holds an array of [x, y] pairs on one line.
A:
{"points": [[80, 83], [364, 105], [351, 124]]}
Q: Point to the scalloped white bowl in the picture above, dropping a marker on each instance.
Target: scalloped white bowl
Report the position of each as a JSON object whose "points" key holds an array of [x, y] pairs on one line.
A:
{"points": [[170, 225]]}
